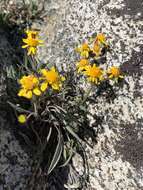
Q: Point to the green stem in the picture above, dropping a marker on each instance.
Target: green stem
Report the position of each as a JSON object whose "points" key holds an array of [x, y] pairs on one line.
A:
{"points": [[35, 109], [35, 105]]}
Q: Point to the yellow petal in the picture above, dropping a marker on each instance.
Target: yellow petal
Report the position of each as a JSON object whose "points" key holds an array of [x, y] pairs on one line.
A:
{"points": [[85, 54], [41, 41], [31, 32], [22, 92], [35, 80], [24, 46], [44, 71], [53, 69], [37, 92], [111, 76], [25, 40], [44, 86], [79, 69], [31, 51], [28, 94], [101, 78], [55, 86]]}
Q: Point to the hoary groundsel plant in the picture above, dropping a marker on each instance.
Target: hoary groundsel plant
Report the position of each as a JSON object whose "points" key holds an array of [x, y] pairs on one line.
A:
{"points": [[51, 106]]}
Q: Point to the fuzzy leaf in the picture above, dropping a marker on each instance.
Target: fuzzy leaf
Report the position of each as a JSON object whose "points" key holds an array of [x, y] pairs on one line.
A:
{"points": [[72, 186], [49, 134], [68, 159], [58, 152], [70, 130]]}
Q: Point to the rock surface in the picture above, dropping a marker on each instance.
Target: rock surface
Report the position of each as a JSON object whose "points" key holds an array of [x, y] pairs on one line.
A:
{"points": [[15, 164], [116, 162]]}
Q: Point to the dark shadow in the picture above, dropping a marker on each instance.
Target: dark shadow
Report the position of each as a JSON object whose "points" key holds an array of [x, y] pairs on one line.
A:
{"points": [[134, 67], [131, 143], [131, 8]]}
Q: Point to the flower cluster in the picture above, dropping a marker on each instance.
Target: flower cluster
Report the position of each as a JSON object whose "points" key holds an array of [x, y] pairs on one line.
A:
{"points": [[33, 85], [36, 84], [56, 112], [91, 53]]}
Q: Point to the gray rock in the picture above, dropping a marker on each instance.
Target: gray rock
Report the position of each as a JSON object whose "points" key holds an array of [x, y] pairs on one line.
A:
{"points": [[116, 160], [114, 163], [15, 165]]}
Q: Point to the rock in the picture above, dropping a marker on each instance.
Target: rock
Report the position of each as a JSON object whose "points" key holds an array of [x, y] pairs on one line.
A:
{"points": [[114, 158], [15, 164], [117, 156]]}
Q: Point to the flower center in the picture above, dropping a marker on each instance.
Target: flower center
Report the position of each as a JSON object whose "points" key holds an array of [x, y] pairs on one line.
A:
{"points": [[52, 77], [33, 36], [95, 72], [29, 82], [115, 72], [33, 42]]}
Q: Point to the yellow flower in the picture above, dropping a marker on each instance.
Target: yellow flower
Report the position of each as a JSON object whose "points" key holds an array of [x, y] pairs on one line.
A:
{"points": [[22, 118], [82, 64], [31, 42], [52, 78], [29, 86], [101, 38], [97, 49], [94, 73], [84, 50], [28, 82], [114, 73]]}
